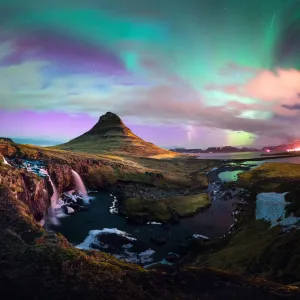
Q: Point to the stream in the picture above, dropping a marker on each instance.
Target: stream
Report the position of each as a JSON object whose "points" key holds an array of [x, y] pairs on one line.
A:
{"points": [[101, 228]]}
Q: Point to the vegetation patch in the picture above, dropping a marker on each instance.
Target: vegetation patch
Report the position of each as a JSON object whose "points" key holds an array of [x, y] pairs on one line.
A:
{"points": [[255, 248], [163, 210]]}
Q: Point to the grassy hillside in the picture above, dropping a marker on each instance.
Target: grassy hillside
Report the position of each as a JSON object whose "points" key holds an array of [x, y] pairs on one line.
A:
{"points": [[36, 264], [254, 247]]}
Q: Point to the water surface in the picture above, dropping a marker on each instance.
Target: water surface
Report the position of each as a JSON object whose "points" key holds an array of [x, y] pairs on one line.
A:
{"points": [[213, 222]]}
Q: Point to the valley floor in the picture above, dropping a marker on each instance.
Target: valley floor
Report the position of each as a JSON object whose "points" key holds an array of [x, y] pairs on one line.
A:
{"points": [[36, 264]]}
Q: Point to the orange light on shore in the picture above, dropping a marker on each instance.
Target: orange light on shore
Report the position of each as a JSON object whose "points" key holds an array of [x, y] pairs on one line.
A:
{"points": [[291, 150]]}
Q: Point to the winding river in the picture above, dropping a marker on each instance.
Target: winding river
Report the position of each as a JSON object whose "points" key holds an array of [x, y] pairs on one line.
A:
{"points": [[213, 222]]}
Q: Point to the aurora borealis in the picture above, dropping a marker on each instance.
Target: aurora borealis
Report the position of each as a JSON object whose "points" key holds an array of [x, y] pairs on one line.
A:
{"points": [[193, 73]]}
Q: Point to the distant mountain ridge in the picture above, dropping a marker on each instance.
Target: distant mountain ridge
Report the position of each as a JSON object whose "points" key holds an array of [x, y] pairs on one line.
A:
{"points": [[230, 149], [226, 149], [110, 135]]}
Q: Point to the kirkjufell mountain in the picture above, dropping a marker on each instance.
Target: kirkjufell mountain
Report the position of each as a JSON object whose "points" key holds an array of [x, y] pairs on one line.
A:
{"points": [[111, 135]]}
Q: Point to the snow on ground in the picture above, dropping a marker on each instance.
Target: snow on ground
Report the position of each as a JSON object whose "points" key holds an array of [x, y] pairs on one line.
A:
{"points": [[86, 244], [200, 236], [116, 231], [153, 223], [127, 255], [271, 207]]}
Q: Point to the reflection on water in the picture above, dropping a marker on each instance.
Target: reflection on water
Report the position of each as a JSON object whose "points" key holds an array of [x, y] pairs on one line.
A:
{"points": [[229, 175]]}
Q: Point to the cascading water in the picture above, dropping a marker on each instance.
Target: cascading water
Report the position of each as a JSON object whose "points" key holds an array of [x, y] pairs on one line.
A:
{"points": [[80, 186], [5, 161], [54, 198], [52, 217]]}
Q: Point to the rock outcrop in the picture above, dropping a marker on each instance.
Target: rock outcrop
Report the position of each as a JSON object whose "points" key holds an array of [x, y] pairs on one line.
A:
{"points": [[6, 147], [28, 188]]}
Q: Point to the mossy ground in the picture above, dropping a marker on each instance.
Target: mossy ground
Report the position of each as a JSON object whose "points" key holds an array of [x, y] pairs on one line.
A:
{"points": [[255, 248], [35, 264], [177, 171], [162, 209]]}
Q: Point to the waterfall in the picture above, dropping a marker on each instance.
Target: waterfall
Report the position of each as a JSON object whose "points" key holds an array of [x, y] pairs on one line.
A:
{"points": [[5, 161], [55, 197], [54, 203], [80, 186]]}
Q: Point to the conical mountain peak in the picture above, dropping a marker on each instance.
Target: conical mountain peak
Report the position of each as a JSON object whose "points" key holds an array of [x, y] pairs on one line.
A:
{"points": [[110, 125], [110, 117], [111, 135]]}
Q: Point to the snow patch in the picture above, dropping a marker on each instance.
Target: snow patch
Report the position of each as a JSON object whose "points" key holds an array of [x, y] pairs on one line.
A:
{"points": [[200, 236], [127, 255], [271, 207], [153, 223], [86, 244]]}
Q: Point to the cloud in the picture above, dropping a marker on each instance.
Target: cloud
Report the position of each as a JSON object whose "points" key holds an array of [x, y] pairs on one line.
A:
{"points": [[276, 90], [166, 99], [292, 107], [68, 54], [281, 85]]}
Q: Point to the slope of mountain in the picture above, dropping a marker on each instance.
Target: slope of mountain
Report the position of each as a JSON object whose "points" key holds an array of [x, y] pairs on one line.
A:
{"points": [[110, 135]]}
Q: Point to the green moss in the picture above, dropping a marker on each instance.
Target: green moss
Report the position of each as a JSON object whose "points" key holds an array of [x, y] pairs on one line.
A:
{"points": [[163, 209], [259, 249], [270, 176], [150, 210], [188, 205], [255, 248]]}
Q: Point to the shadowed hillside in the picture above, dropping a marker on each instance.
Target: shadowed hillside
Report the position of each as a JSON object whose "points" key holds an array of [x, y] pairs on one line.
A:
{"points": [[111, 135]]}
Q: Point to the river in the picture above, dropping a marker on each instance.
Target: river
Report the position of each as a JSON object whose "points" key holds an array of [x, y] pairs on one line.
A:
{"points": [[213, 222]]}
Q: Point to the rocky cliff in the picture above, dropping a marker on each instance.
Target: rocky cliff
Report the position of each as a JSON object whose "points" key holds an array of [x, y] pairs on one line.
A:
{"points": [[30, 189]]}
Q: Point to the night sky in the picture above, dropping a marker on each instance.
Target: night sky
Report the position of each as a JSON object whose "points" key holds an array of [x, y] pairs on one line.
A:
{"points": [[193, 73]]}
